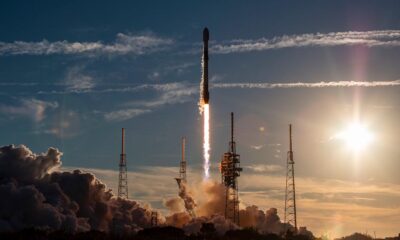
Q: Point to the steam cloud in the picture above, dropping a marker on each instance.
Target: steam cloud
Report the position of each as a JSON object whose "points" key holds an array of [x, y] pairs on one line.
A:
{"points": [[34, 196], [211, 208], [187, 197]]}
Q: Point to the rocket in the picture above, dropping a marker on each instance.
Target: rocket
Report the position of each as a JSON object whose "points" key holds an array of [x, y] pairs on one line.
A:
{"points": [[205, 95]]}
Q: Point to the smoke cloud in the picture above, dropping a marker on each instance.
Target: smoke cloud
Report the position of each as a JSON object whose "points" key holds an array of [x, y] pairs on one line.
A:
{"points": [[35, 195], [186, 196], [211, 209]]}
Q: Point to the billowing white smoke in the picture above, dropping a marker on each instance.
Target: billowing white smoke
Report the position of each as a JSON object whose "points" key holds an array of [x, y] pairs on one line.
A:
{"points": [[211, 207], [33, 196], [187, 197]]}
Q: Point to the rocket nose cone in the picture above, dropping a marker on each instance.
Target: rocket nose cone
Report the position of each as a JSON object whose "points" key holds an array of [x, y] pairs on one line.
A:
{"points": [[206, 34]]}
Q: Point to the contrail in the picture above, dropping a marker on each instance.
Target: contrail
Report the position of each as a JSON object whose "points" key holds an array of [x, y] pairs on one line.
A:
{"points": [[309, 84]]}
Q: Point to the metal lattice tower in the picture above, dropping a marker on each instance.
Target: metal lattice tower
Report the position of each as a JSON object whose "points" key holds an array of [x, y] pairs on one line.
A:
{"points": [[290, 195], [181, 180], [230, 171], [123, 173], [182, 169]]}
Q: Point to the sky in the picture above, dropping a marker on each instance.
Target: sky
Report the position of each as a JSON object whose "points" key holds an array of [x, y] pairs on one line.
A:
{"points": [[73, 73]]}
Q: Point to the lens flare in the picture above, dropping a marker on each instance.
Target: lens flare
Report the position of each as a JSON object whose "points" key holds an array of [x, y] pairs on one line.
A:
{"points": [[206, 141], [356, 136]]}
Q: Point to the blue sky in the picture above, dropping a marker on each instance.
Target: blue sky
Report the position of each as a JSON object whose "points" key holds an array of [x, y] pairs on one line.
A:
{"points": [[73, 73]]}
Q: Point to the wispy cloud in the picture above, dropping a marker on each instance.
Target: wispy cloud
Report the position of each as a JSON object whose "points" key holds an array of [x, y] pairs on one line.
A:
{"points": [[64, 125], [192, 88], [161, 72], [256, 147], [148, 43], [264, 168], [124, 114], [169, 93], [309, 84], [20, 84], [32, 108], [388, 38], [123, 44], [76, 80]]}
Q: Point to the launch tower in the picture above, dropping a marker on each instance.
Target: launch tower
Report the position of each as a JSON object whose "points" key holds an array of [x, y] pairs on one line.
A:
{"points": [[182, 169], [182, 183], [123, 173], [290, 195], [230, 171]]}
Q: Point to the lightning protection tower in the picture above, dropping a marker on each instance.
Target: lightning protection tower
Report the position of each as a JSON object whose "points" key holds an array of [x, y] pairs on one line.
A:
{"points": [[123, 173], [182, 169], [182, 181], [230, 171], [290, 195]]}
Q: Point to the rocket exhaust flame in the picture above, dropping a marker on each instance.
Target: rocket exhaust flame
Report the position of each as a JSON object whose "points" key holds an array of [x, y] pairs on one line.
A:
{"points": [[206, 140]]}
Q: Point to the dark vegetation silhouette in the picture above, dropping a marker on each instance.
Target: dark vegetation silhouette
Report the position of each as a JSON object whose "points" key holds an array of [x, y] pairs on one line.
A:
{"points": [[207, 232]]}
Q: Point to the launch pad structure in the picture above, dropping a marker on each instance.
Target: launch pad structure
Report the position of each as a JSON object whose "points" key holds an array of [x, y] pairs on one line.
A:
{"points": [[123, 173], [182, 181], [290, 192], [230, 171]]}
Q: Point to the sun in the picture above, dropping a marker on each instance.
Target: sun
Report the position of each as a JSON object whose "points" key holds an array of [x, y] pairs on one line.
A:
{"points": [[356, 136]]}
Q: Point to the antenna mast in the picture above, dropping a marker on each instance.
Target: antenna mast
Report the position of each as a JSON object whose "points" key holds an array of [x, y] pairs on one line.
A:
{"points": [[182, 170], [290, 193], [123, 173]]}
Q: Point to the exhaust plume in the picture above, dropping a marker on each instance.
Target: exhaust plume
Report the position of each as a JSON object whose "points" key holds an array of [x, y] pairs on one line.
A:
{"points": [[206, 141], [187, 198], [210, 198]]}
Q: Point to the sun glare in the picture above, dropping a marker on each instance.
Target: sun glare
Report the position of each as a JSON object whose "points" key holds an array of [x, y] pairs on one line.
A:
{"points": [[356, 136]]}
